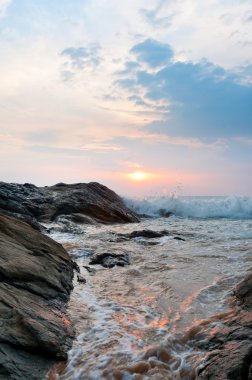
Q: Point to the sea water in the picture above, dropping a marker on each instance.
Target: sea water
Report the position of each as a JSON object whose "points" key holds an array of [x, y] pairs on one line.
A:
{"points": [[132, 322]]}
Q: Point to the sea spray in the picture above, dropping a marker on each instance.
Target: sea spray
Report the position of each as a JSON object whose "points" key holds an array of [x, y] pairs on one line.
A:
{"points": [[194, 207]]}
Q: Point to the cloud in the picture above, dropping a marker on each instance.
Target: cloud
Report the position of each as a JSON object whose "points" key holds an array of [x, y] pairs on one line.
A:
{"points": [[157, 22], [4, 4], [81, 57], [248, 18], [129, 67], [152, 52], [161, 16], [204, 100], [245, 74]]}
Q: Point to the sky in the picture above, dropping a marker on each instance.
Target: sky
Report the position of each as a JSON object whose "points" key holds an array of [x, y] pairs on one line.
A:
{"points": [[148, 97]]}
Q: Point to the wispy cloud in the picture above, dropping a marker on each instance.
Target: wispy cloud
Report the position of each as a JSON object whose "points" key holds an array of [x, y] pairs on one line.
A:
{"points": [[155, 16]]}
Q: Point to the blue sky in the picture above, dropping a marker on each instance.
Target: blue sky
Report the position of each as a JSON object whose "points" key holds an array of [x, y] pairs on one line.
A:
{"points": [[96, 90]]}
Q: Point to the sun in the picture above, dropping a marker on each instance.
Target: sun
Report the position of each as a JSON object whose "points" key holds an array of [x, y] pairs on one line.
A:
{"points": [[138, 176]]}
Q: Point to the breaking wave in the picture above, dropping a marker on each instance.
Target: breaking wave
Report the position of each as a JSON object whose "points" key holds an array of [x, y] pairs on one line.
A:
{"points": [[235, 207]]}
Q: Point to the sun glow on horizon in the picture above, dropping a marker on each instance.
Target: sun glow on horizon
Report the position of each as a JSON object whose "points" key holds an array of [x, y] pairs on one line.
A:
{"points": [[139, 176]]}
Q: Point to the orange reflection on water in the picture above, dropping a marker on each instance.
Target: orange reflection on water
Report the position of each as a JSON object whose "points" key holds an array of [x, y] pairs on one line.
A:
{"points": [[133, 318], [117, 316], [160, 323], [185, 305], [149, 298], [144, 288]]}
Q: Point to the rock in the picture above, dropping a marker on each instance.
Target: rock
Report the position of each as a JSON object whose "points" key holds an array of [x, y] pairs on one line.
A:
{"points": [[91, 271], [109, 260], [147, 234], [164, 213], [243, 291], [178, 238], [35, 283], [86, 203], [81, 279], [228, 340]]}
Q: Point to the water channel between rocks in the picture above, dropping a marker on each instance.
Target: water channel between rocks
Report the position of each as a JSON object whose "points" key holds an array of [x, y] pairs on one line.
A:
{"points": [[131, 321]]}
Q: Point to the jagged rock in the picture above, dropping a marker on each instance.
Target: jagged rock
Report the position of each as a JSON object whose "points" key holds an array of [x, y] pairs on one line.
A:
{"points": [[109, 260], [228, 340], [35, 283], [86, 203]]}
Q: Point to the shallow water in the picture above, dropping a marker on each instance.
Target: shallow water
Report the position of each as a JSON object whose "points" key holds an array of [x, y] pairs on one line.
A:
{"points": [[131, 321]]}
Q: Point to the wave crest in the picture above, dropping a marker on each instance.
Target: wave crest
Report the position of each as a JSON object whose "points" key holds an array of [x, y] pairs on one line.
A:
{"points": [[194, 207]]}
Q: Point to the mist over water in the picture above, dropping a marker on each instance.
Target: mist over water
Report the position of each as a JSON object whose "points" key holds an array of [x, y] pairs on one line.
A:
{"points": [[194, 207]]}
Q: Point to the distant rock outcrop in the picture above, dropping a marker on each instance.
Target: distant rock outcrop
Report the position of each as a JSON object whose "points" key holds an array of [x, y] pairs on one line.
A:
{"points": [[35, 283], [80, 203]]}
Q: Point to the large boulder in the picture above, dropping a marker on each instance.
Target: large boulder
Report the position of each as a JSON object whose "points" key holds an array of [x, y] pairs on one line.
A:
{"points": [[35, 283], [45, 204]]}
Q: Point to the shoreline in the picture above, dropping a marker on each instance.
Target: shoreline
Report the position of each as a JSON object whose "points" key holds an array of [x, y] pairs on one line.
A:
{"points": [[215, 343]]}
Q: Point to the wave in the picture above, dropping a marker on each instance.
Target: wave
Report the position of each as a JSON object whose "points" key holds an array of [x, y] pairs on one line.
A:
{"points": [[235, 207]]}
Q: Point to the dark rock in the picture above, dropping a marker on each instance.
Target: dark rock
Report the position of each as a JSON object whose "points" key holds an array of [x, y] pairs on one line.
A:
{"points": [[91, 271], [87, 203], [178, 238], [147, 234], [243, 291], [228, 340], [21, 365], [109, 260], [164, 213], [81, 279], [81, 219], [76, 267], [35, 283]]}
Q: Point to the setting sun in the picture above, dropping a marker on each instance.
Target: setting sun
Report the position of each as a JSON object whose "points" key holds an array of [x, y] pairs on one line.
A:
{"points": [[138, 176]]}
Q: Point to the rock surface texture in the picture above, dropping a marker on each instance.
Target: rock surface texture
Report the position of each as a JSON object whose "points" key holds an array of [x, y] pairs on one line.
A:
{"points": [[79, 203], [35, 283], [36, 273], [228, 340]]}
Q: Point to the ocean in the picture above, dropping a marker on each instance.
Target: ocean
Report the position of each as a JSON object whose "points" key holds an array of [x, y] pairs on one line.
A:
{"points": [[132, 322]]}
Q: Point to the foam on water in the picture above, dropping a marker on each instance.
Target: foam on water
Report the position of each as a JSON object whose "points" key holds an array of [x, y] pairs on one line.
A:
{"points": [[194, 207], [139, 321]]}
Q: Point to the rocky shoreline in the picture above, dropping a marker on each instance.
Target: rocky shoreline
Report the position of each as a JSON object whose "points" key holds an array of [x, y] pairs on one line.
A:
{"points": [[36, 272], [36, 276]]}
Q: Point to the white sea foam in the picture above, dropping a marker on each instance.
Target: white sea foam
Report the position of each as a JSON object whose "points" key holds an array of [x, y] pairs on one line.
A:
{"points": [[194, 207]]}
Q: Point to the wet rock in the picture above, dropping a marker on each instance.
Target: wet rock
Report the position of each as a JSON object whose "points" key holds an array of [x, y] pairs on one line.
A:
{"points": [[81, 279], [243, 291], [109, 260], [76, 267], [35, 284], [228, 340], [86, 203], [178, 238], [147, 234], [164, 213], [91, 271]]}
